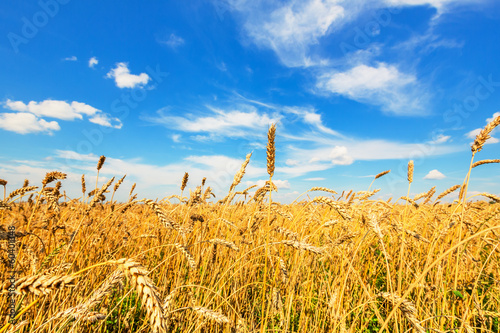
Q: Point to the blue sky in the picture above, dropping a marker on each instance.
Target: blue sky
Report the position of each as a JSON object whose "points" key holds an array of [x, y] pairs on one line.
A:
{"points": [[164, 87]]}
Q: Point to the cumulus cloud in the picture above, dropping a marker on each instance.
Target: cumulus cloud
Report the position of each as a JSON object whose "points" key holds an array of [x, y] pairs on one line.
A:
{"points": [[33, 112], [53, 108], [434, 175], [24, 123], [93, 62], [72, 58], [383, 85], [123, 78]]}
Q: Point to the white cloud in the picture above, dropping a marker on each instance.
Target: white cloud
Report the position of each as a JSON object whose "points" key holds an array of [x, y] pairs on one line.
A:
{"points": [[173, 41], [93, 62], [489, 120], [71, 155], [440, 139], [434, 175], [33, 111], [280, 184], [292, 162], [105, 120], [321, 156], [314, 179], [53, 108], [311, 117], [293, 29], [72, 58], [337, 155], [239, 122], [384, 85], [440, 5], [290, 28], [123, 78], [176, 138], [24, 123]]}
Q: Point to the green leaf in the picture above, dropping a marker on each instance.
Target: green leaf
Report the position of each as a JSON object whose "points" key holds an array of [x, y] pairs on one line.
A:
{"points": [[458, 294]]}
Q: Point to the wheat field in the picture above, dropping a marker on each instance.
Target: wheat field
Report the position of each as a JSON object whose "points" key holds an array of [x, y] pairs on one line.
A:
{"points": [[339, 262]]}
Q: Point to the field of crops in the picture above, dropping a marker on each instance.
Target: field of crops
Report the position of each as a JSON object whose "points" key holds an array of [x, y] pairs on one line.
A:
{"points": [[340, 262]]}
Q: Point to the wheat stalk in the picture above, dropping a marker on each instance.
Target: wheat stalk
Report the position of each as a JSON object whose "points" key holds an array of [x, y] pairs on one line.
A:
{"points": [[324, 189], [184, 181], [406, 307], [478, 163], [383, 173], [187, 254], [146, 290], [39, 284], [224, 242], [448, 191], [303, 246], [210, 314], [271, 149], [484, 135], [240, 173], [410, 171], [51, 176], [21, 191]]}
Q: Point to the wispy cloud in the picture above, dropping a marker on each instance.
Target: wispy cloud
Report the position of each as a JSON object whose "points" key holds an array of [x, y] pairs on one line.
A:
{"points": [[288, 28], [440, 5], [441, 138], [123, 78], [240, 121], [383, 85], [32, 113], [434, 175], [173, 41], [72, 58]]}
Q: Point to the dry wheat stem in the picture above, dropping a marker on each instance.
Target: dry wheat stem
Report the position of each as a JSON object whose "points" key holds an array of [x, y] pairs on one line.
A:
{"points": [[478, 163], [39, 284], [271, 150], [303, 246], [448, 191], [324, 189], [410, 171], [383, 173], [187, 254], [184, 181], [240, 173], [146, 290], [224, 242], [484, 135], [211, 314], [407, 308]]}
